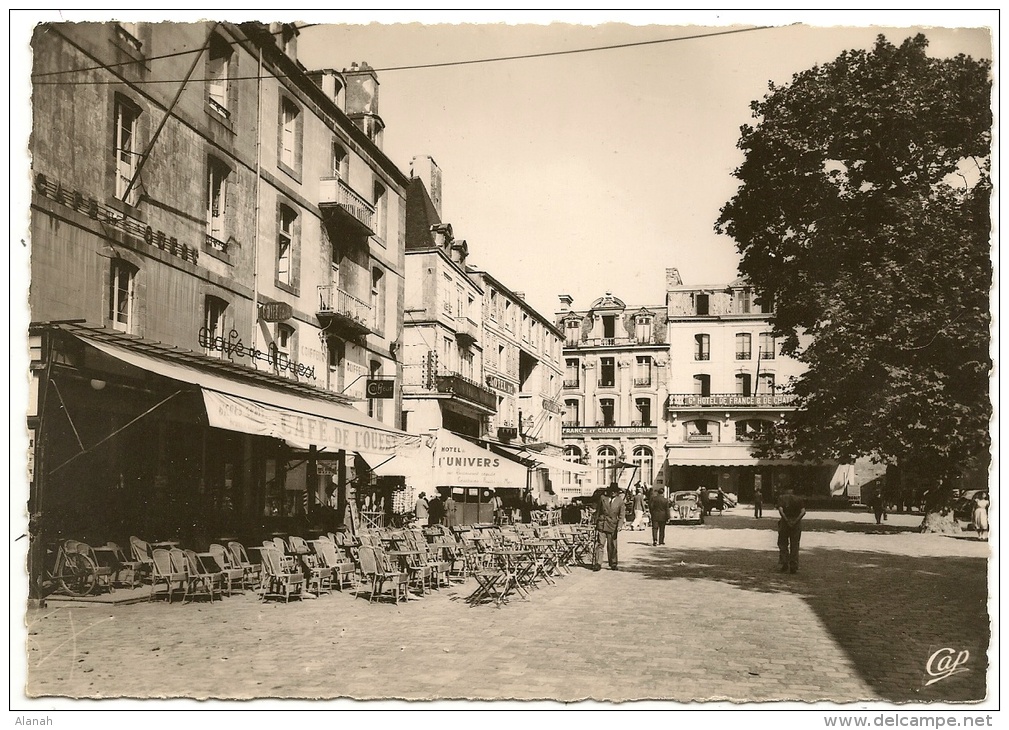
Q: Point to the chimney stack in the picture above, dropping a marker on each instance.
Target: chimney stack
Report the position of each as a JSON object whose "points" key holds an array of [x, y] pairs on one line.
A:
{"points": [[362, 100], [566, 301], [425, 169]]}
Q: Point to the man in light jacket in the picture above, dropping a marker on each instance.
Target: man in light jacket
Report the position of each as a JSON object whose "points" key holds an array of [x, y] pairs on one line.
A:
{"points": [[609, 520]]}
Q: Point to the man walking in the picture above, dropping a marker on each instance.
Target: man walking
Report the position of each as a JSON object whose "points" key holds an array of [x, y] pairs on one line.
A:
{"points": [[792, 509], [658, 512], [639, 509], [609, 520], [758, 503], [436, 511]]}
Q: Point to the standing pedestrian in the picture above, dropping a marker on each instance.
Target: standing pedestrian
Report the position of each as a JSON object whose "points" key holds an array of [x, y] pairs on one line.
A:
{"points": [[420, 509], [980, 517], [451, 512], [877, 505], [639, 509], [702, 495], [720, 501], [436, 511], [526, 507], [609, 520], [758, 503], [497, 509], [658, 508], [792, 509]]}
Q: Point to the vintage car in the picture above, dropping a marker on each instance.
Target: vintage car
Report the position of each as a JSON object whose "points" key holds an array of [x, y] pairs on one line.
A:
{"points": [[685, 508]]}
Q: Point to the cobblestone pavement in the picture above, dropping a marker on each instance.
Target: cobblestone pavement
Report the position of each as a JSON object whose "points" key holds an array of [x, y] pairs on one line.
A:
{"points": [[705, 617]]}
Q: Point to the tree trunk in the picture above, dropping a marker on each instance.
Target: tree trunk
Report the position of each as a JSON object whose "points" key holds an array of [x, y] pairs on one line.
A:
{"points": [[941, 522]]}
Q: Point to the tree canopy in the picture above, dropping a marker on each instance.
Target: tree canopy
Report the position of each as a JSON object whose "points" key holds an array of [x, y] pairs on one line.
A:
{"points": [[863, 212]]}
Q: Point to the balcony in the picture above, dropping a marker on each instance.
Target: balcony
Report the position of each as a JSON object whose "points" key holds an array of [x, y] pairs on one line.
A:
{"points": [[729, 400], [344, 207], [607, 342], [642, 382], [571, 383], [466, 390], [343, 311], [507, 433], [467, 331]]}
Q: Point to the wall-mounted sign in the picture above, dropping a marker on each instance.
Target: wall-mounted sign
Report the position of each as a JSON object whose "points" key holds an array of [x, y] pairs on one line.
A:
{"points": [[275, 311], [379, 388], [234, 347], [501, 384]]}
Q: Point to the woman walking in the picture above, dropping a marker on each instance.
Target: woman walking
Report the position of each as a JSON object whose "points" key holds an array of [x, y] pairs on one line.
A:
{"points": [[981, 515]]}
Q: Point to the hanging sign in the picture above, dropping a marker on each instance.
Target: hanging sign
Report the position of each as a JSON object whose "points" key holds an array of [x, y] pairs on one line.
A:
{"points": [[275, 311], [380, 388]]}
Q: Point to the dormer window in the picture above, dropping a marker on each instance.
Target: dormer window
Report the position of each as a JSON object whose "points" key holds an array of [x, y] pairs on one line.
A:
{"points": [[701, 304]]}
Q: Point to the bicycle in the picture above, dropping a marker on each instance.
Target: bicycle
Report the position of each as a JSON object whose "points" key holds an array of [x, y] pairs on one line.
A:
{"points": [[72, 572]]}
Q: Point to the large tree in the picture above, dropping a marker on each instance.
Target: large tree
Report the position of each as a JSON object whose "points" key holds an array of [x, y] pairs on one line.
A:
{"points": [[863, 211]]}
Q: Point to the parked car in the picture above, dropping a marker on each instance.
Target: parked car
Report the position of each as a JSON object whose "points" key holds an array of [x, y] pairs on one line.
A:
{"points": [[712, 496], [685, 508]]}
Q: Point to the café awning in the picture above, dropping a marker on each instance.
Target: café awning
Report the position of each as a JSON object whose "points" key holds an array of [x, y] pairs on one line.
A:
{"points": [[550, 462], [259, 409]]}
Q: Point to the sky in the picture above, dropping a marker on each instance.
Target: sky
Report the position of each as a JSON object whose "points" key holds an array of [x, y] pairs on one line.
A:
{"points": [[594, 172]]}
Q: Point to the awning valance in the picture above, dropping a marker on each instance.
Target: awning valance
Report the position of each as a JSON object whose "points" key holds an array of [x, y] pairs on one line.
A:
{"points": [[551, 462], [264, 411]]}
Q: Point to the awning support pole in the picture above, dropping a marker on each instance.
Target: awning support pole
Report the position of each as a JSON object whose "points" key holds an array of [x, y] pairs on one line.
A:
{"points": [[67, 411], [117, 431]]}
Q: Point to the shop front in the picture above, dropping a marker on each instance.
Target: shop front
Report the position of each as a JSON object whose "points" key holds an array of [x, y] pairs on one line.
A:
{"points": [[135, 438]]}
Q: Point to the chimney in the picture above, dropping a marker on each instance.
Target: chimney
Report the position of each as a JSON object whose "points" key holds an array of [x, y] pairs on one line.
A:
{"points": [[520, 295], [362, 100], [566, 301], [425, 169], [673, 278]]}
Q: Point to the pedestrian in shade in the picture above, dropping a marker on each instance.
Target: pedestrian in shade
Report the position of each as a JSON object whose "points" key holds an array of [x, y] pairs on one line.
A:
{"points": [[451, 511], [658, 512], [420, 509], [792, 509], [609, 519], [758, 503]]}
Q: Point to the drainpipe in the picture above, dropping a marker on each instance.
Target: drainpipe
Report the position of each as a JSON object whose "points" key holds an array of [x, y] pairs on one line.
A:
{"points": [[259, 162]]}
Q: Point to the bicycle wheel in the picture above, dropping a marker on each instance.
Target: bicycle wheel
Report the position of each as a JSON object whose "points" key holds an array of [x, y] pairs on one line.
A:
{"points": [[78, 575]]}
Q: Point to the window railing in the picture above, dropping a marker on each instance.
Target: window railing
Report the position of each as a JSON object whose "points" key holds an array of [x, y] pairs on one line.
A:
{"points": [[643, 424], [219, 107], [571, 383], [700, 438], [606, 423], [643, 381], [335, 190], [768, 355], [217, 244], [605, 382], [702, 355], [465, 388], [742, 354]]}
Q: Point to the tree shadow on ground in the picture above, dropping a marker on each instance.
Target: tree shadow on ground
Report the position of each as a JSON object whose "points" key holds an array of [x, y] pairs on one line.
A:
{"points": [[888, 612], [812, 522]]}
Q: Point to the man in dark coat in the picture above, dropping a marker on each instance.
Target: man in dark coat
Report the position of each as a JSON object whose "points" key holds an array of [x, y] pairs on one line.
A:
{"points": [[610, 515], [436, 511], [658, 513]]}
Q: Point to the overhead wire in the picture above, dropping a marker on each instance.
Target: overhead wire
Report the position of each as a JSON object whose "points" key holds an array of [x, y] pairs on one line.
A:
{"points": [[411, 67]]}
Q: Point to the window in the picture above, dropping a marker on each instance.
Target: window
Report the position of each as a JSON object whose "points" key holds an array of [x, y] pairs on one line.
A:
{"points": [[122, 281], [743, 346], [702, 347], [643, 329], [126, 149], [644, 408], [644, 371], [606, 465], [381, 212], [571, 372], [744, 301], [375, 404], [466, 363], [701, 302], [378, 300], [743, 381], [219, 76], [493, 305], [643, 459], [337, 352], [217, 184], [609, 327], [571, 413], [283, 344], [766, 346], [340, 162], [702, 385], [766, 303], [765, 383], [572, 329], [214, 320], [607, 409], [285, 246], [573, 455], [606, 372], [700, 431], [289, 144], [446, 354], [749, 430]]}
